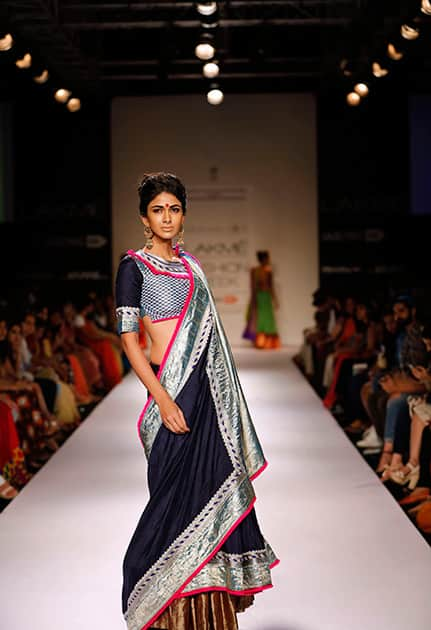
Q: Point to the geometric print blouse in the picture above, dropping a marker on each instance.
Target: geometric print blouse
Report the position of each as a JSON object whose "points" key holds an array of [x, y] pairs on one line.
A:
{"points": [[149, 285]]}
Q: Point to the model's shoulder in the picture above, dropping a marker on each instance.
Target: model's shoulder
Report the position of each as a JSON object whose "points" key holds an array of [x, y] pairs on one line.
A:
{"points": [[129, 266], [127, 260], [185, 254]]}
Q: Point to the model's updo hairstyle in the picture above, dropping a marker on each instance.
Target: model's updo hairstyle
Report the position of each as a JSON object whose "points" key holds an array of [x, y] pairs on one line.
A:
{"points": [[152, 184]]}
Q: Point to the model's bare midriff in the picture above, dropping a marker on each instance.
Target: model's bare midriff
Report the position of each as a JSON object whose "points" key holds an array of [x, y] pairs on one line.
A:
{"points": [[160, 334]]}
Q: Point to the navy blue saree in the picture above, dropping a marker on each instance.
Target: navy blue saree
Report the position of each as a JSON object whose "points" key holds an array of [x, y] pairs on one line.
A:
{"points": [[198, 532]]}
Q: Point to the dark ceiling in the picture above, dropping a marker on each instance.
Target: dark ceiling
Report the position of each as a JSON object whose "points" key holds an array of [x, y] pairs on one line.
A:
{"points": [[107, 48]]}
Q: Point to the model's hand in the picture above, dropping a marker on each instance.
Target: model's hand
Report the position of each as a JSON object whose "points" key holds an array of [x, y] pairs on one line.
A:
{"points": [[172, 416]]}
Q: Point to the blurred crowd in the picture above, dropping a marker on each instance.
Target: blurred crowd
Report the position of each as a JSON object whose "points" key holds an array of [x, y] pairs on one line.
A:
{"points": [[56, 363], [370, 361]]}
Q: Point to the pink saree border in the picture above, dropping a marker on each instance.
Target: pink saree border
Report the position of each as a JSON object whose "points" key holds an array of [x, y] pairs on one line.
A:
{"points": [[154, 269], [174, 334], [179, 593]]}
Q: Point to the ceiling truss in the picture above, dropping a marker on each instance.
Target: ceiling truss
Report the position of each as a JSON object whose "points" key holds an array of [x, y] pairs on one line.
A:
{"points": [[113, 47]]}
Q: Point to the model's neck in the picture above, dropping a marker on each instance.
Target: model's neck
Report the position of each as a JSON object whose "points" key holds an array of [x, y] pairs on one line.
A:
{"points": [[164, 249]]}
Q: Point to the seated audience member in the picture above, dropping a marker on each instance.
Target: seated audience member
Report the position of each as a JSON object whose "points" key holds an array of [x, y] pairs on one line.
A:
{"points": [[409, 442], [319, 340], [13, 467], [88, 359], [360, 346], [343, 338], [398, 383], [45, 371], [52, 373], [366, 399], [106, 345]]}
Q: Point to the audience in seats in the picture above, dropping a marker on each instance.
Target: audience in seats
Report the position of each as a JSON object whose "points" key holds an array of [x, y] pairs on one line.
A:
{"points": [[56, 362], [369, 361]]}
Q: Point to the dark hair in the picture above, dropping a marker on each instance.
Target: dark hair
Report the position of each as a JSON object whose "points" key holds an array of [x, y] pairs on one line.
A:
{"points": [[407, 300], [153, 184], [319, 297], [262, 255]]}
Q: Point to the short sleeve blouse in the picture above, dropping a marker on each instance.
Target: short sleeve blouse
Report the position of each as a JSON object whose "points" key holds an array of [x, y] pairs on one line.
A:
{"points": [[149, 285]]}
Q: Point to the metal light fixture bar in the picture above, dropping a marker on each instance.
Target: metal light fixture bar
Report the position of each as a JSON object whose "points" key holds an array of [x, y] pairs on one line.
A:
{"points": [[228, 23]]}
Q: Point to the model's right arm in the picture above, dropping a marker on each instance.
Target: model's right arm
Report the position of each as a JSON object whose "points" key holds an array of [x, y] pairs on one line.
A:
{"points": [[128, 288]]}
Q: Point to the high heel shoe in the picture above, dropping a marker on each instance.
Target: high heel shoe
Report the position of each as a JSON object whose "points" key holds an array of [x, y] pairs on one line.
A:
{"points": [[410, 479]]}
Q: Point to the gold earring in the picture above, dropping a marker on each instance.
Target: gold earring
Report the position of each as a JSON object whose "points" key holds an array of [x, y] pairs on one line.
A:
{"points": [[149, 233], [180, 239]]}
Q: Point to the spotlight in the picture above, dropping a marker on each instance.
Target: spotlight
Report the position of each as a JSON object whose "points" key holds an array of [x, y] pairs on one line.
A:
{"points": [[25, 62], [409, 32], [205, 49], [209, 14], [6, 42], [42, 77], [361, 89], [62, 95], [211, 70], [74, 105], [378, 71], [215, 96], [393, 53], [206, 8], [426, 7], [353, 99]]}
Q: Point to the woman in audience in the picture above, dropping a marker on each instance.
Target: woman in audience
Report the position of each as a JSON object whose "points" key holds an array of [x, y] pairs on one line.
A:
{"points": [[87, 358], [409, 433], [40, 360], [46, 366], [342, 335], [106, 345], [400, 383], [360, 344], [12, 460]]}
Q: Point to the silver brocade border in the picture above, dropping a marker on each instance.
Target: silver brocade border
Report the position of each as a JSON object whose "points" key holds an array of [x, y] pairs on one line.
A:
{"points": [[196, 543], [226, 507], [235, 572]]}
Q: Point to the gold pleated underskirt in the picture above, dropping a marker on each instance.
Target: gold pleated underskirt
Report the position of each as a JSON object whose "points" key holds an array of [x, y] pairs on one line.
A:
{"points": [[214, 610]]}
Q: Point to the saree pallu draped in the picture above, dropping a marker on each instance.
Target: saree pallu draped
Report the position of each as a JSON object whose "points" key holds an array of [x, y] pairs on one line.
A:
{"points": [[199, 531]]}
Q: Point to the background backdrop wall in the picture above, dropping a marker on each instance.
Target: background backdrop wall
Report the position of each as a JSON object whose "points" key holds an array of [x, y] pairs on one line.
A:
{"points": [[250, 169]]}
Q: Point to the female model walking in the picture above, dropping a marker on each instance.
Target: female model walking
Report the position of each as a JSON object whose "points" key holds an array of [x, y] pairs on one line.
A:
{"points": [[261, 327], [197, 556]]}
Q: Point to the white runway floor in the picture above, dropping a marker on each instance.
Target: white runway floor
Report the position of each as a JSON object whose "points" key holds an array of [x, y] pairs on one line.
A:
{"points": [[350, 559]]}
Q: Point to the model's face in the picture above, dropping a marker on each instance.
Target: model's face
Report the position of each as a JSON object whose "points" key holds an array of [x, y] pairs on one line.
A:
{"points": [[165, 216]]}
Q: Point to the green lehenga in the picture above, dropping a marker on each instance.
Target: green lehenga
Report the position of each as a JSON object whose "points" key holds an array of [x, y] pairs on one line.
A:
{"points": [[261, 327]]}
